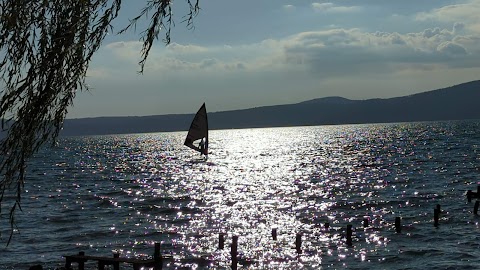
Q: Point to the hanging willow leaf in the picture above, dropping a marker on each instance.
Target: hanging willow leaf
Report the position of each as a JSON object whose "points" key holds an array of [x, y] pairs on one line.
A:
{"points": [[45, 48]]}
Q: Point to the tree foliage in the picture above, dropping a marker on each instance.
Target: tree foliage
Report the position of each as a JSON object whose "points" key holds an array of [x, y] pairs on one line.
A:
{"points": [[45, 48]]}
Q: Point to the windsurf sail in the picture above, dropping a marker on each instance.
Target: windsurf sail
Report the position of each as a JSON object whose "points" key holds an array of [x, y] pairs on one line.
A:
{"points": [[198, 132]]}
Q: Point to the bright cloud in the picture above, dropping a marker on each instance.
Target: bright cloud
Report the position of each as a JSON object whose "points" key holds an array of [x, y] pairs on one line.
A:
{"points": [[329, 52], [289, 7], [465, 12], [343, 51], [126, 53], [189, 49], [330, 7], [459, 12], [336, 51]]}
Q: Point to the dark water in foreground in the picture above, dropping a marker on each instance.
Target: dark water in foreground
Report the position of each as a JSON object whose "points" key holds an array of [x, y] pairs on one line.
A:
{"points": [[124, 193]]}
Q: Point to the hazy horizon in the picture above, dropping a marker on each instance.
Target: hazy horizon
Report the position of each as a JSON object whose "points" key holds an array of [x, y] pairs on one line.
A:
{"points": [[210, 111]]}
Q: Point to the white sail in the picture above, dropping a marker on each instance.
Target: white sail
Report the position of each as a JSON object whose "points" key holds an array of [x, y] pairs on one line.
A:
{"points": [[198, 131]]}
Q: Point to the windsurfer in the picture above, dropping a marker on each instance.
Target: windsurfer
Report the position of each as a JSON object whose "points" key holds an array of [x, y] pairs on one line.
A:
{"points": [[201, 145]]}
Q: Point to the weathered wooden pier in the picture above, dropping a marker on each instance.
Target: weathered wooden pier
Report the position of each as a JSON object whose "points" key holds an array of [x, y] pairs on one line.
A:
{"points": [[156, 262]]}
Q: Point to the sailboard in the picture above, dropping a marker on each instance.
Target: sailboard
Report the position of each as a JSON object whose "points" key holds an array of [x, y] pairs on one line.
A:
{"points": [[198, 132]]}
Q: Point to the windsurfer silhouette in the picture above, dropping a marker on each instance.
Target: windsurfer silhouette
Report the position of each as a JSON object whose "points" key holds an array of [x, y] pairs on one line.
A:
{"points": [[202, 146]]}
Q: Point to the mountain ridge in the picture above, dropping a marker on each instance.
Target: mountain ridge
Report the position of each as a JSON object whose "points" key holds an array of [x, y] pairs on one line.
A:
{"points": [[456, 102]]}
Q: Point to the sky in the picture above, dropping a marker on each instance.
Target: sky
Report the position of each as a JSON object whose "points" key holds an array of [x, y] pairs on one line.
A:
{"points": [[252, 53]]}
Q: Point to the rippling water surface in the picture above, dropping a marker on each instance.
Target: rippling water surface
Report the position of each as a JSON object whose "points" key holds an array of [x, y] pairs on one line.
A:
{"points": [[124, 193]]}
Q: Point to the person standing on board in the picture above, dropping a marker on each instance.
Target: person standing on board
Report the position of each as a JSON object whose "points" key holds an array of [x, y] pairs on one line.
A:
{"points": [[202, 146]]}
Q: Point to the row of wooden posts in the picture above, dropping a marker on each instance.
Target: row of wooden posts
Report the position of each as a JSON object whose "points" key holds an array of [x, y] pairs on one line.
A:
{"points": [[298, 238], [156, 262], [348, 238]]}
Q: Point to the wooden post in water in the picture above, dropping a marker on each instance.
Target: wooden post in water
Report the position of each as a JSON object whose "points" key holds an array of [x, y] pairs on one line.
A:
{"points": [[327, 226], [221, 240], [475, 208], [398, 225], [81, 264], [157, 256], [436, 215], [469, 195], [234, 252], [274, 234], [116, 265], [365, 222], [298, 243], [69, 260], [101, 265], [349, 235]]}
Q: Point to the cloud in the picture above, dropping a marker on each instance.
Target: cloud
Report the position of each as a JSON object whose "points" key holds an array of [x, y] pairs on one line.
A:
{"points": [[289, 7], [466, 13], [469, 10], [101, 72], [346, 51], [451, 48], [458, 28], [125, 50], [123, 45], [330, 7], [333, 52], [190, 49]]}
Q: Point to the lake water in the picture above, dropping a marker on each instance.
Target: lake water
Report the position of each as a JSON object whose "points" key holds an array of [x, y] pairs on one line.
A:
{"points": [[125, 192]]}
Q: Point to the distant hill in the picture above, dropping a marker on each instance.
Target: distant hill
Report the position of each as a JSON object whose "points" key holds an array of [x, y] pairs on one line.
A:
{"points": [[452, 103]]}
